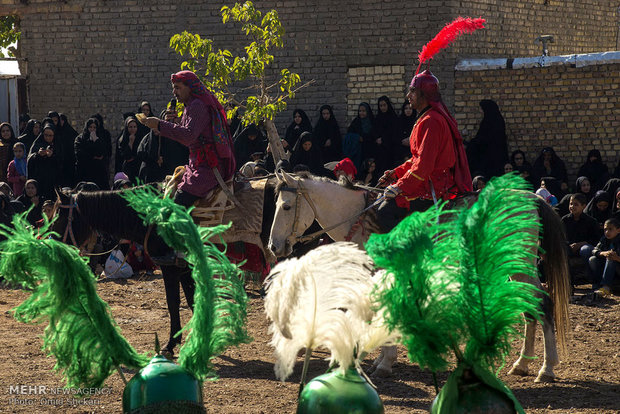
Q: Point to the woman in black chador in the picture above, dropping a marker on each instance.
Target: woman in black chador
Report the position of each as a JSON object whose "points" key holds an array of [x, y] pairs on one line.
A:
{"points": [[406, 121], [548, 164], [44, 162], [359, 135], [488, 151], [90, 156], [327, 135], [386, 141], [66, 138], [596, 171], [307, 154], [127, 152], [31, 132], [249, 141], [301, 123]]}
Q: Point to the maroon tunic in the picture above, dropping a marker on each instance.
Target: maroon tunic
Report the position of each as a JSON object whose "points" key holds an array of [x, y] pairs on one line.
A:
{"points": [[196, 122]]}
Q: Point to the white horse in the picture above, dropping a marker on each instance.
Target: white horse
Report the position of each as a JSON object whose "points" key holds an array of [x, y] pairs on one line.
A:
{"points": [[337, 206]]}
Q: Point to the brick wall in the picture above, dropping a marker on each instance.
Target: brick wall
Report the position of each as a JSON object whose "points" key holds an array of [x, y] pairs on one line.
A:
{"points": [[366, 84], [87, 56], [572, 109]]}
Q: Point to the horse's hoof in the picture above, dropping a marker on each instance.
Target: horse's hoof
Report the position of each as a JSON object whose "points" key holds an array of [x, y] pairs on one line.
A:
{"points": [[168, 354], [545, 378], [382, 372], [518, 371]]}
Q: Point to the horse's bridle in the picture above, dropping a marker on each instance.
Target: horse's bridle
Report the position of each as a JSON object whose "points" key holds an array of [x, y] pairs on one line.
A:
{"points": [[301, 191], [69, 227]]}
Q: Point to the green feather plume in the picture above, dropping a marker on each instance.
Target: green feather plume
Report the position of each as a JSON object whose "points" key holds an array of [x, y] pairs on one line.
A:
{"points": [[497, 238], [450, 291], [81, 333], [418, 296], [220, 303]]}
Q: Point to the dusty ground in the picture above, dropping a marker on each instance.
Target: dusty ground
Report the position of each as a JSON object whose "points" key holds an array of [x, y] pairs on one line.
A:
{"points": [[588, 378]]}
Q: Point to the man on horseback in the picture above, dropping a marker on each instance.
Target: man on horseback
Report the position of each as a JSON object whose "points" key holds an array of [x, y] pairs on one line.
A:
{"points": [[204, 130], [438, 167]]}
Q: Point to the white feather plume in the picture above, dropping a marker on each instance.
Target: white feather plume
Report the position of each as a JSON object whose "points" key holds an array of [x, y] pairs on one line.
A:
{"points": [[322, 300], [376, 333]]}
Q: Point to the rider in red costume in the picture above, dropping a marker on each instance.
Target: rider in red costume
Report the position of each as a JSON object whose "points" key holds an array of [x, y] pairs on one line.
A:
{"points": [[438, 167]]}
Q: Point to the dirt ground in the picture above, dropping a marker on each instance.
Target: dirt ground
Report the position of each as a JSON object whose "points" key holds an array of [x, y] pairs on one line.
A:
{"points": [[588, 377]]}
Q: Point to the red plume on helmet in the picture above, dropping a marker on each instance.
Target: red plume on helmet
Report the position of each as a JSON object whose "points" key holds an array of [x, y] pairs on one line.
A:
{"points": [[426, 80], [429, 85], [447, 35]]}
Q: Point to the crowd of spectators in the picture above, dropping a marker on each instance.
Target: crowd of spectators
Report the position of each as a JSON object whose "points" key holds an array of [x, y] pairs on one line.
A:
{"points": [[47, 154], [590, 209]]}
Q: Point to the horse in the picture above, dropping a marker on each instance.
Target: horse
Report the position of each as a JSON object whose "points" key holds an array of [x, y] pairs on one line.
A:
{"points": [[339, 207], [78, 216]]}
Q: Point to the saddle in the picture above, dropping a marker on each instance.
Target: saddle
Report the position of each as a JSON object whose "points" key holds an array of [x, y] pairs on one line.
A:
{"points": [[208, 211], [216, 208]]}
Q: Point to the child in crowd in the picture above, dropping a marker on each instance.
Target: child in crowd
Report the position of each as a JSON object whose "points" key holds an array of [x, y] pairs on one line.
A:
{"points": [[479, 182], [17, 171], [582, 231], [605, 258], [48, 212], [345, 168], [139, 260]]}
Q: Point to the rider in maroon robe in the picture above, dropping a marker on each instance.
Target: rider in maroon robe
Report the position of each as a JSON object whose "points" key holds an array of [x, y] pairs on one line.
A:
{"points": [[205, 132]]}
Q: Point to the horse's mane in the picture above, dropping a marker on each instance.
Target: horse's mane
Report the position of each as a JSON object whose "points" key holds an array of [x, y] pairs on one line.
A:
{"points": [[343, 182], [109, 212]]}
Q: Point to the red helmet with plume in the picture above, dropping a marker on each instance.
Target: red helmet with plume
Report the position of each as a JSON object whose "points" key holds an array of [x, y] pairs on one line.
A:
{"points": [[426, 81]]}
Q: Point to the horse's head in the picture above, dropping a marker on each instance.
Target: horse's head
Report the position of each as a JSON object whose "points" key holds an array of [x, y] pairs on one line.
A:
{"points": [[68, 223], [293, 214]]}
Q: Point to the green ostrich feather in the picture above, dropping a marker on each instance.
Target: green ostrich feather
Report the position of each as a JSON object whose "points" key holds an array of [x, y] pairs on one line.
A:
{"points": [[220, 302], [498, 238], [451, 293], [81, 333], [419, 295]]}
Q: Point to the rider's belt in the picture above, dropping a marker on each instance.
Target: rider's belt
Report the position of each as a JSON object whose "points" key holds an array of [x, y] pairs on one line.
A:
{"points": [[409, 173]]}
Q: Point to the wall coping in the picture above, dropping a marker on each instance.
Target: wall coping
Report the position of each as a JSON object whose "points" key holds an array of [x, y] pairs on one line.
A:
{"points": [[580, 60]]}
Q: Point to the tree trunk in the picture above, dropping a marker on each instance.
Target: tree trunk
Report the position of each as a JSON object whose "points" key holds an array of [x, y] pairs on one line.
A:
{"points": [[275, 143]]}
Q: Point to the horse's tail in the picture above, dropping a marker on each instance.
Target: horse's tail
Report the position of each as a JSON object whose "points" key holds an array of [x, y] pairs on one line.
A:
{"points": [[555, 266]]}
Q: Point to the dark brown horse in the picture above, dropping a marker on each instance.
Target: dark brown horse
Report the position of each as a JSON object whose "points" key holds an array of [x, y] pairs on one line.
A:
{"points": [[80, 216]]}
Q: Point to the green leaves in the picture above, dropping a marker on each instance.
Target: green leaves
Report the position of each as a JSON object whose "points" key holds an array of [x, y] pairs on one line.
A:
{"points": [[9, 32], [221, 69], [288, 82]]}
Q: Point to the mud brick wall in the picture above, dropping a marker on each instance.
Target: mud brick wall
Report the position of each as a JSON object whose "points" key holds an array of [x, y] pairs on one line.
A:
{"points": [[86, 56], [366, 84], [572, 109]]}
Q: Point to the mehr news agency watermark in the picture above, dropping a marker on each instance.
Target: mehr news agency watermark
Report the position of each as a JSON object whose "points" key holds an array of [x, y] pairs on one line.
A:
{"points": [[42, 395]]}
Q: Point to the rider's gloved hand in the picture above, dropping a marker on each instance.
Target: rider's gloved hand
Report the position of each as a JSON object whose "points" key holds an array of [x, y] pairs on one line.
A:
{"points": [[387, 178], [391, 191]]}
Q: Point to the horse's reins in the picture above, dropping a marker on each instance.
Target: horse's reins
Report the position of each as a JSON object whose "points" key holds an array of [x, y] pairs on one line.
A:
{"points": [[69, 228], [300, 191]]}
